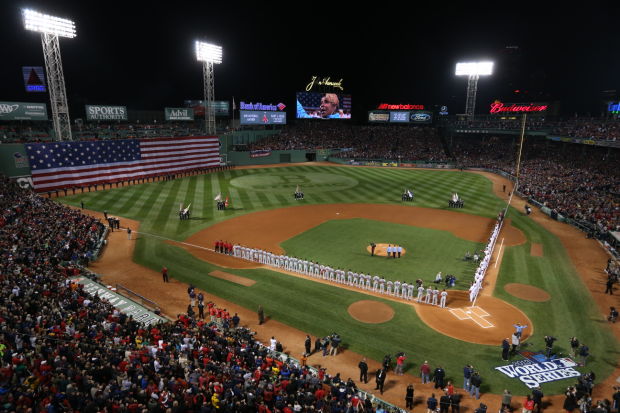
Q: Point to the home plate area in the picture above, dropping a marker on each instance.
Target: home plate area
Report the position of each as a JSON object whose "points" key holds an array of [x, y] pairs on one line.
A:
{"points": [[477, 314]]}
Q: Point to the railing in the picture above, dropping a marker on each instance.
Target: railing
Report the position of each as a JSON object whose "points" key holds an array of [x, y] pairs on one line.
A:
{"points": [[121, 289]]}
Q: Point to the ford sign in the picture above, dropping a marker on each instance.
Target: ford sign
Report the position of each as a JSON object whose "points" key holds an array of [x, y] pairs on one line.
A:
{"points": [[420, 117]]}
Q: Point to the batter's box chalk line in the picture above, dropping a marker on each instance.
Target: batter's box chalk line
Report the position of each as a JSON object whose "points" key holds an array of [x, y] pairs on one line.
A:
{"points": [[477, 314]]}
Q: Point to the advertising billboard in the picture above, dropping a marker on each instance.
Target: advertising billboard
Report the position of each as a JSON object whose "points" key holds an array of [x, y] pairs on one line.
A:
{"points": [[420, 117], [220, 107], [500, 107], [311, 105], [23, 111], [400, 106], [99, 112], [261, 106], [179, 114], [34, 79], [401, 116], [378, 116], [260, 117]]}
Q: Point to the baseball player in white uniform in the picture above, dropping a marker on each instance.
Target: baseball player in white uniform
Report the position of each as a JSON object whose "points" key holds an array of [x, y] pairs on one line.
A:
{"points": [[435, 296], [442, 301], [428, 296], [420, 293]]}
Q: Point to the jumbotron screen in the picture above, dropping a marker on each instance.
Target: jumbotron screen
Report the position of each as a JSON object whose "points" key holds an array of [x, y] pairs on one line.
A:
{"points": [[311, 105]]}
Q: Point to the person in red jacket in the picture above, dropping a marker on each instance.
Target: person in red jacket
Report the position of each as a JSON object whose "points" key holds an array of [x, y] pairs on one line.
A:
{"points": [[425, 372]]}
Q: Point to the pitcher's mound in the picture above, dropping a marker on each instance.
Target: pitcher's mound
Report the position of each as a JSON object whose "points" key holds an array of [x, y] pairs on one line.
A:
{"points": [[381, 250], [527, 292], [371, 312]]}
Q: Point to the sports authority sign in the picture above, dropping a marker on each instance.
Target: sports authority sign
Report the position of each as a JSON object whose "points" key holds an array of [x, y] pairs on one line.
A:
{"points": [[96, 112], [534, 373]]}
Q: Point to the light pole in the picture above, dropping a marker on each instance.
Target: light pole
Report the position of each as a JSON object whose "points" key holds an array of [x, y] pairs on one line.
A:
{"points": [[51, 28], [208, 54], [473, 70]]}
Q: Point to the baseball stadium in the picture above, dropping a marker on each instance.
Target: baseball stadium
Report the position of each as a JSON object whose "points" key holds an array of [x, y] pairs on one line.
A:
{"points": [[238, 256]]}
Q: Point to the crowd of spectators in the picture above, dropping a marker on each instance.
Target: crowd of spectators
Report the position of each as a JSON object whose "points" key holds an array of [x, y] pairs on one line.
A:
{"points": [[65, 350], [137, 130], [581, 182], [532, 123], [43, 131], [392, 142], [582, 128], [24, 132]]}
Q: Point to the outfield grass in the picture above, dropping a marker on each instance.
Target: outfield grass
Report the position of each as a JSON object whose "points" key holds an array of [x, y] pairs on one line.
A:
{"points": [[156, 205], [320, 309], [428, 251]]}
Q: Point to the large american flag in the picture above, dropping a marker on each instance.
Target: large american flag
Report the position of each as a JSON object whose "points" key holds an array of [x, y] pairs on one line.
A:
{"points": [[56, 165]]}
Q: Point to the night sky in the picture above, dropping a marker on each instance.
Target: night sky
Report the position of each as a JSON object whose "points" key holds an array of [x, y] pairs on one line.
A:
{"points": [[141, 55]]}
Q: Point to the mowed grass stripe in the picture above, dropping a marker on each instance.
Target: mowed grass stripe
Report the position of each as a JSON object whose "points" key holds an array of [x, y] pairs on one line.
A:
{"points": [[208, 196], [135, 194], [240, 200], [217, 190], [146, 212], [167, 218], [163, 191]]}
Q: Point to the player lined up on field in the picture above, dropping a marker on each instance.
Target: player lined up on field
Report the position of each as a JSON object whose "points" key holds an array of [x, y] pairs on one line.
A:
{"points": [[362, 281]]}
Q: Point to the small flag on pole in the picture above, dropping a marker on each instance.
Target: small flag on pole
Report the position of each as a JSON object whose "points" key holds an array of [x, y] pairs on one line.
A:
{"points": [[226, 202], [218, 197]]}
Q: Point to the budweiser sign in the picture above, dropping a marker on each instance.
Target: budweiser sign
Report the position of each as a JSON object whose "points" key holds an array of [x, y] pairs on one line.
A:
{"points": [[499, 107], [387, 106]]}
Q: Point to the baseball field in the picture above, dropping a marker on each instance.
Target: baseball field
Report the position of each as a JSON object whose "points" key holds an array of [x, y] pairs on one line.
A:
{"points": [[346, 208]]}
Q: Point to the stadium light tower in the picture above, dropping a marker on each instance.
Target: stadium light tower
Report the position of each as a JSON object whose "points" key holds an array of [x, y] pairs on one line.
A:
{"points": [[51, 28], [473, 70], [208, 54]]}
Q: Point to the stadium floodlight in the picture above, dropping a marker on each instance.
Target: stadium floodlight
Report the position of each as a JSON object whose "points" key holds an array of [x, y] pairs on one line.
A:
{"points": [[51, 28], [473, 70], [208, 54], [44, 23]]}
